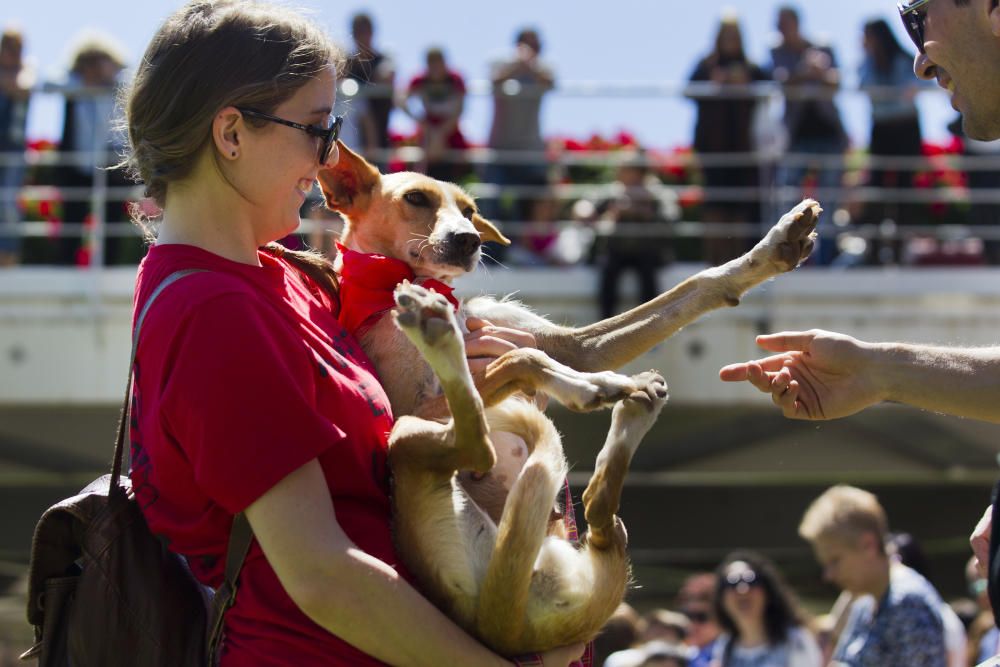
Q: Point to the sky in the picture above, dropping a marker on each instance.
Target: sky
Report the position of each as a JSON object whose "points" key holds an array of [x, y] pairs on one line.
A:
{"points": [[620, 42]]}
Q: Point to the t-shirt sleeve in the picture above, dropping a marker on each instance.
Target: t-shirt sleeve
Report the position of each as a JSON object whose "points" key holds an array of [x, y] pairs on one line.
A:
{"points": [[239, 400]]}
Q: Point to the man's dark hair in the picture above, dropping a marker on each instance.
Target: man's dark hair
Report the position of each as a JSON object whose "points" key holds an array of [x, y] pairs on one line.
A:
{"points": [[790, 11], [526, 35], [362, 20]]}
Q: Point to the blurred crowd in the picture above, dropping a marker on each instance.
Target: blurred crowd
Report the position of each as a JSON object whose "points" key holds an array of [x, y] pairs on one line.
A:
{"points": [[745, 614], [766, 134]]}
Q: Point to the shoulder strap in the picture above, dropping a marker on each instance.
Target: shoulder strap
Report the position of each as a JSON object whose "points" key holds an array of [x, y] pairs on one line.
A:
{"points": [[240, 535], [125, 416]]}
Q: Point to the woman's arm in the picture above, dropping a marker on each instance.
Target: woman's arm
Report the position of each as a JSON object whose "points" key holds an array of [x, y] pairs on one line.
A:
{"points": [[354, 595]]}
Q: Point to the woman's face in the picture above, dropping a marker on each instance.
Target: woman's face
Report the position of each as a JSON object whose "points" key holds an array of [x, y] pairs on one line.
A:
{"points": [[743, 595], [278, 164], [730, 41]]}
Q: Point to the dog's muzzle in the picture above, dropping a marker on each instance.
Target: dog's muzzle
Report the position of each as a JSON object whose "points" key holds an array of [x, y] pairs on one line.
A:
{"points": [[460, 249]]}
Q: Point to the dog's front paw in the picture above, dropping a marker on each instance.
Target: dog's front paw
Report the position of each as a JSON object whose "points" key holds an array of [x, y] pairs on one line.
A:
{"points": [[425, 316], [790, 241], [635, 415]]}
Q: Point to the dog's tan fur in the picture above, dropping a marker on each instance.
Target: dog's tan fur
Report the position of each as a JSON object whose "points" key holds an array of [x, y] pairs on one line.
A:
{"points": [[488, 550]]}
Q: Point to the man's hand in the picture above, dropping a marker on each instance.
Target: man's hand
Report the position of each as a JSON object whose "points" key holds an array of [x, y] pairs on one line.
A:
{"points": [[980, 541], [815, 375]]}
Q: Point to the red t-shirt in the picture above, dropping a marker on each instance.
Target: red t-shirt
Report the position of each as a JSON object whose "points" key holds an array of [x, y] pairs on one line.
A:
{"points": [[242, 376]]}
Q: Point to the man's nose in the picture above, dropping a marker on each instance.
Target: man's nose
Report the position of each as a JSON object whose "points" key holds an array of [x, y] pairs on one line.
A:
{"points": [[924, 67]]}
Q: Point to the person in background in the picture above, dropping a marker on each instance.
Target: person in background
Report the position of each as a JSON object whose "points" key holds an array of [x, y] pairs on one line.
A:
{"points": [[372, 74], [887, 74], [809, 77], [984, 637], [696, 601], [90, 145], [724, 125], [761, 619], [15, 85], [620, 633], [894, 618], [520, 83], [441, 92], [904, 548], [631, 240]]}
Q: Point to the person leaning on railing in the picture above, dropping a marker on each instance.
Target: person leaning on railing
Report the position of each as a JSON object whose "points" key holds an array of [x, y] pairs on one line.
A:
{"points": [[14, 93]]}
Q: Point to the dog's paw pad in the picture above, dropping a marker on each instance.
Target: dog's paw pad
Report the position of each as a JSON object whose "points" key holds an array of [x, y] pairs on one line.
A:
{"points": [[792, 239], [424, 315]]}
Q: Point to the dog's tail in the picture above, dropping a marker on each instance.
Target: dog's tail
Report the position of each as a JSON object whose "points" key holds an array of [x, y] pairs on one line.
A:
{"points": [[504, 594]]}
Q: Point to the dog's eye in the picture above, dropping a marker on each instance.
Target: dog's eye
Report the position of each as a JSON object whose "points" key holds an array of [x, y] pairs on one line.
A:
{"points": [[417, 198], [468, 212]]}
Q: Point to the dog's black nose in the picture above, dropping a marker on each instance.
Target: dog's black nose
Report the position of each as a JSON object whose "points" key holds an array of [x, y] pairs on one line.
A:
{"points": [[464, 243]]}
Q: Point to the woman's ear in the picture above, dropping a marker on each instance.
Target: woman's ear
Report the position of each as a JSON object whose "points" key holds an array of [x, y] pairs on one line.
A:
{"points": [[995, 17], [227, 130]]}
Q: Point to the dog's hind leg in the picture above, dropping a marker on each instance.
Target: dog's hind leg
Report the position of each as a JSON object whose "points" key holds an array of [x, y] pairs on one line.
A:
{"points": [[631, 419], [505, 590], [463, 443]]}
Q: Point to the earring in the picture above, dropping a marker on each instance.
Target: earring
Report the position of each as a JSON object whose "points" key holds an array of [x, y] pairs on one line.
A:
{"points": [[234, 153]]}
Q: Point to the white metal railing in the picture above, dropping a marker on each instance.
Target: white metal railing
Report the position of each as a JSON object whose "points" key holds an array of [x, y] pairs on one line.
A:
{"points": [[770, 194]]}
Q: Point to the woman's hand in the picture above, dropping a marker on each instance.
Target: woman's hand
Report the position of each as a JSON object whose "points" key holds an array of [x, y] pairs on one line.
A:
{"points": [[485, 342]]}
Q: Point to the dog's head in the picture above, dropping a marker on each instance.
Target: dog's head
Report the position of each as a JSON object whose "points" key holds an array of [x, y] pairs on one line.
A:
{"points": [[431, 225]]}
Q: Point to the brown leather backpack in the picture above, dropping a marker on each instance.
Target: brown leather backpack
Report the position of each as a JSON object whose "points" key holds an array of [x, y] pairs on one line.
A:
{"points": [[103, 591]]}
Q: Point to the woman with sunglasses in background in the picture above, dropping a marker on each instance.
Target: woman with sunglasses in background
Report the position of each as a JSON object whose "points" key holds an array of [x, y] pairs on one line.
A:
{"points": [[249, 399], [763, 624]]}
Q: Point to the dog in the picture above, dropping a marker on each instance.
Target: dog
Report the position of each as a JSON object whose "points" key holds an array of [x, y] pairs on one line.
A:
{"points": [[476, 465]]}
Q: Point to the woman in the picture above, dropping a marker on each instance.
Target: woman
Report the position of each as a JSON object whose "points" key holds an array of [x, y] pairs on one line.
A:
{"points": [[441, 92], [887, 74], [724, 125], [249, 397], [763, 624]]}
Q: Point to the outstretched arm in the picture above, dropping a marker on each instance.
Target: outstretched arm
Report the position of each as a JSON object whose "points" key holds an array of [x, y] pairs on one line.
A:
{"points": [[823, 375]]}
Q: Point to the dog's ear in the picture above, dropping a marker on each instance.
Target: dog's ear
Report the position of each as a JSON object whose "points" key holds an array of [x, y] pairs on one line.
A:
{"points": [[487, 231], [348, 185]]}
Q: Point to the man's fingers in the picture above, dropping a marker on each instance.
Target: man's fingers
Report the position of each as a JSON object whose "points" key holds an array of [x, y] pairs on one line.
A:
{"points": [[786, 341], [742, 371]]}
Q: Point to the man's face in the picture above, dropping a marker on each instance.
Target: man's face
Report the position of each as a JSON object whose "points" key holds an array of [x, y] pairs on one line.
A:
{"points": [[703, 629], [788, 25], [845, 564], [962, 45]]}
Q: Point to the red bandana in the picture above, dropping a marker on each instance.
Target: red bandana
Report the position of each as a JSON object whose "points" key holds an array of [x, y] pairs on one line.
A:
{"points": [[366, 285]]}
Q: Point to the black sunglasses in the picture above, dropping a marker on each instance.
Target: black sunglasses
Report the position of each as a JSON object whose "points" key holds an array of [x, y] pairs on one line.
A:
{"points": [[327, 134], [913, 20], [697, 616]]}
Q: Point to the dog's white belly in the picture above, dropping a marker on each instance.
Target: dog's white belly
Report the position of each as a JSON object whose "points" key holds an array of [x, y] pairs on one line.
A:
{"points": [[455, 543]]}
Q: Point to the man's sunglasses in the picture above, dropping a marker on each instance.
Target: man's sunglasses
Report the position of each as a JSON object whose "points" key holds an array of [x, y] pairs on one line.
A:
{"points": [[913, 14], [328, 135]]}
